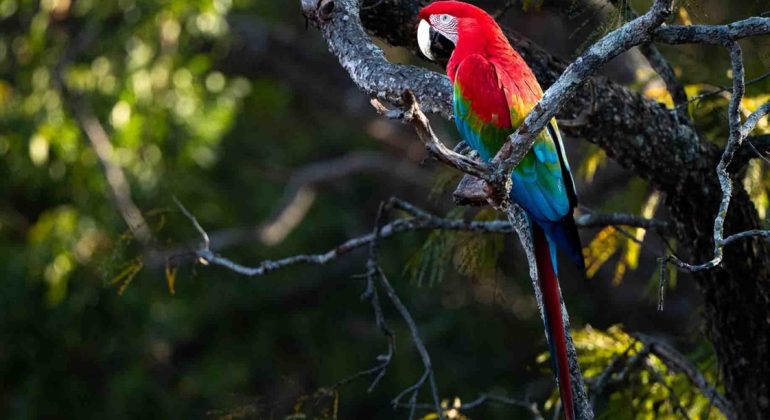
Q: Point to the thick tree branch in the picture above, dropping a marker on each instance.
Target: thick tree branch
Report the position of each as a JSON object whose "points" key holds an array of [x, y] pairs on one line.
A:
{"points": [[366, 63], [712, 34]]}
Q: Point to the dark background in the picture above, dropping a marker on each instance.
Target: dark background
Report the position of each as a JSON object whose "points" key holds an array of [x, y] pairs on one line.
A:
{"points": [[221, 103]]}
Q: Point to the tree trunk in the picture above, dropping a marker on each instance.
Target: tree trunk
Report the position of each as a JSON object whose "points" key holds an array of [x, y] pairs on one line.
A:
{"points": [[736, 295]]}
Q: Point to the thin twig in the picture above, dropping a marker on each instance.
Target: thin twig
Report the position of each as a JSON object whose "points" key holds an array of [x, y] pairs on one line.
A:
{"points": [[738, 132], [374, 271], [723, 89], [411, 113], [383, 360], [194, 220], [661, 66], [600, 381], [662, 282], [591, 220], [756, 151]]}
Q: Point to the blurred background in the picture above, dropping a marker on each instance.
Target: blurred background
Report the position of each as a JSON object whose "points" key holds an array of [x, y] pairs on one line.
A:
{"points": [[109, 109]]}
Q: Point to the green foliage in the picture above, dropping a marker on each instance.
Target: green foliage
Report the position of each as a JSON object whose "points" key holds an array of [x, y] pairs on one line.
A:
{"points": [[644, 386], [428, 265], [472, 255], [148, 80]]}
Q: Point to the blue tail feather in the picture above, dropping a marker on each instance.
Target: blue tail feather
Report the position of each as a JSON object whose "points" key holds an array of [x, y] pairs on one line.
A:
{"points": [[563, 235]]}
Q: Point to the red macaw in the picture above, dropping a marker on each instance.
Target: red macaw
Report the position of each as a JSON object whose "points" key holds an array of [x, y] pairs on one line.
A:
{"points": [[494, 89]]}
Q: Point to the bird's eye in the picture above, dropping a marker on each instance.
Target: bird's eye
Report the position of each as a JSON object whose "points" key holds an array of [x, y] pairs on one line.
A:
{"points": [[445, 18]]}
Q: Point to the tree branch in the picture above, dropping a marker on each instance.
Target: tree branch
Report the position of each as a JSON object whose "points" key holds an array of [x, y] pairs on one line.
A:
{"points": [[374, 271], [755, 147], [738, 133], [419, 220], [664, 70], [300, 191], [414, 115], [366, 63], [591, 220], [94, 131], [723, 89], [712, 34], [116, 179]]}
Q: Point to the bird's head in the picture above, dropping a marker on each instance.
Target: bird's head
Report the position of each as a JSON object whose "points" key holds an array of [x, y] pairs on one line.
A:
{"points": [[453, 20]]}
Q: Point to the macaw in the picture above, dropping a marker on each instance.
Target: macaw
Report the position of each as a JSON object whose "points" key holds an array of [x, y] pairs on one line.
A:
{"points": [[494, 89]]}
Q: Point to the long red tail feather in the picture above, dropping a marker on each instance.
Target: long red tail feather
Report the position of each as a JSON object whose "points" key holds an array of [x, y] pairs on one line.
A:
{"points": [[549, 286]]}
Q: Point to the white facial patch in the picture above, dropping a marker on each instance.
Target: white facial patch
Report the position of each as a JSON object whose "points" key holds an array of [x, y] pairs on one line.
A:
{"points": [[446, 25], [423, 39]]}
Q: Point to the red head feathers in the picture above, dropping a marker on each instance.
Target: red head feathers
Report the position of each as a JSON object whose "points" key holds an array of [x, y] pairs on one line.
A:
{"points": [[473, 31]]}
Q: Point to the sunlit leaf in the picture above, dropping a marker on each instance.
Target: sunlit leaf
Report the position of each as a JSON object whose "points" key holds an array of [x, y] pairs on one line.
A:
{"points": [[600, 249], [595, 159], [126, 274], [619, 239], [756, 187], [171, 278], [659, 92]]}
